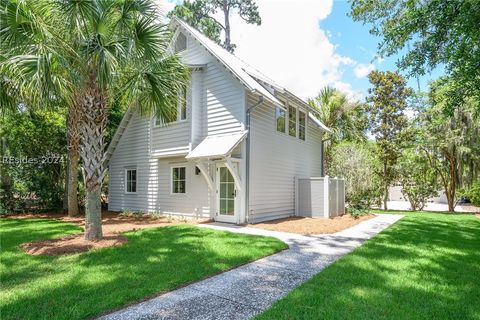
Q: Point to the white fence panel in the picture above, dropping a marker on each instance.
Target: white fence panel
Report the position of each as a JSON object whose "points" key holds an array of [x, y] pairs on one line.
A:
{"points": [[319, 197]]}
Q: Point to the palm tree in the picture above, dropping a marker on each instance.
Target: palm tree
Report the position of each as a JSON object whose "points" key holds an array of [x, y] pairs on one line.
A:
{"points": [[90, 54], [346, 119]]}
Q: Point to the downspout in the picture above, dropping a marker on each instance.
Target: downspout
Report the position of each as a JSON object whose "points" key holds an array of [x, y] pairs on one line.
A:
{"points": [[247, 157]]}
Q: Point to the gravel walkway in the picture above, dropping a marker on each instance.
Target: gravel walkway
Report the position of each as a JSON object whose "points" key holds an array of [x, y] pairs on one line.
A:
{"points": [[243, 292]]}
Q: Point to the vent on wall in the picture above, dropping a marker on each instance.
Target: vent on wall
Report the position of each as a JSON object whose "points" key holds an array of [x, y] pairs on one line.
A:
{"points": [[181, 43]]}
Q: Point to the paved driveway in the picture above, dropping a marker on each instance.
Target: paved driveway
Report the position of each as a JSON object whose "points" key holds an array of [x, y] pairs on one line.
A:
{"points": [[248, 290]]}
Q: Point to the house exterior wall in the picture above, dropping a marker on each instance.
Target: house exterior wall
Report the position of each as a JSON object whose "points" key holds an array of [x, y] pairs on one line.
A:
{"points": [[275, 160], [215, 105]]}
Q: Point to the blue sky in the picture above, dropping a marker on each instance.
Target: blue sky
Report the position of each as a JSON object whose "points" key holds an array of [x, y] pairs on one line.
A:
{"points": [[353, 39], [305, 45]]}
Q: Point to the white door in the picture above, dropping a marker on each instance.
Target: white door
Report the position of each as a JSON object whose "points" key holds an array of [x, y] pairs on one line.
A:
{"points": [[226, 196]]}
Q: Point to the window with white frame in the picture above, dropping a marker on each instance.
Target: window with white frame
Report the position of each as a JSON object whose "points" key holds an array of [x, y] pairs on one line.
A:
{"points": [[177, 114], [180, 43], [179, 180], [292, 121], [280, 116], [302, 125], [130, 180]]}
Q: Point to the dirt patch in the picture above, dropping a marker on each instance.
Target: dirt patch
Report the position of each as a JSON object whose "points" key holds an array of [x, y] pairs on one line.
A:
{"points": [[308, 226], [113, 224], [71, 245]]}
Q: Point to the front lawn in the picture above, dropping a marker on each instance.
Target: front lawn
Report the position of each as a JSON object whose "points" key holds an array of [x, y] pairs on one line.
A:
{"points": [[426, 266], [89, 284]]}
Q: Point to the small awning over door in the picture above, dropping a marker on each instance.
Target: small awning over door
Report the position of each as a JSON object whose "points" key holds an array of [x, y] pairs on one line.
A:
{"points": [[217, 146]]}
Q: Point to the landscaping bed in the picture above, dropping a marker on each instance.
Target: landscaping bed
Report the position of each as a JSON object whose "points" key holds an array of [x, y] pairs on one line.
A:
{"points": [[311, 226], [113, 225]]}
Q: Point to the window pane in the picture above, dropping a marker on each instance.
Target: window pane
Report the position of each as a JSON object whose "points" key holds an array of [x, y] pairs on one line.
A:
{"points": [[182, 186], [223, 206], [280, 117], [223, 190], [230, 207], [131, 183], [292, 121], [301, 125], [181, 173]]}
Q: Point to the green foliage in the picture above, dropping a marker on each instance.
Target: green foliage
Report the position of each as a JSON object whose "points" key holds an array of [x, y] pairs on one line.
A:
{"points": [[357, 164], [346, 119], [357, 211], [197, 14], [33, 155], [472, 193], [435, 33], [84, 286], [419, 180], [388, 101], [449, 140], [425, 266], [201, 14]]}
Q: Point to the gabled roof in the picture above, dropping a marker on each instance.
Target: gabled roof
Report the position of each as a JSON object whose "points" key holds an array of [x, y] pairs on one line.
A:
{"points": [[253, 79], [231, 62]]}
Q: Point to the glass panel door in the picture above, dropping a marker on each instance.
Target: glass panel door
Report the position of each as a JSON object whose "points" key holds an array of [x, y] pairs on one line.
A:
{"points": [[226, 192]]}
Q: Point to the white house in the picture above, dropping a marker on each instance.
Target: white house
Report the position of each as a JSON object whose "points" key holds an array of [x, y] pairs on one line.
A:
{"points": [[233, 151]]}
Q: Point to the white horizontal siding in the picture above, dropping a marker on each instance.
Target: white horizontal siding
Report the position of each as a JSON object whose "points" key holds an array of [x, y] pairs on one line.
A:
{"points": [[276, 159]]}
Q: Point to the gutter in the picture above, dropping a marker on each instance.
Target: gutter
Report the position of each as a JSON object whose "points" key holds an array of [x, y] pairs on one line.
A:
{"points": [[247, 156]]}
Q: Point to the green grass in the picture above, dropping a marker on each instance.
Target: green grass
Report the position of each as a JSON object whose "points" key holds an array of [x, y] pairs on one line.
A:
{"points": [[89, 284], [426, 266]]}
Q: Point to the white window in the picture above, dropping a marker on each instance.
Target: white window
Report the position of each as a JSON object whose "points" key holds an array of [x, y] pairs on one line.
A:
{"points": [[292, 121], [280, 116], [130, 180], [302, 126], [179, 180], [178, 114], [181, 43]]}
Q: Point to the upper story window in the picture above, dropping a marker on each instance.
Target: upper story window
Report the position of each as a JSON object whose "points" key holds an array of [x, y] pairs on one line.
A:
{"points": [[292, 121], [280, 116], [302, 124], [180, 43], [130, 180], [179, 180], [178, 114]]}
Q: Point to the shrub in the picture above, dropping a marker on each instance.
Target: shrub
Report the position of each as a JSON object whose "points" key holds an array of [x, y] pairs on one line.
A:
{"points": [[472, 193], [357, 163]]}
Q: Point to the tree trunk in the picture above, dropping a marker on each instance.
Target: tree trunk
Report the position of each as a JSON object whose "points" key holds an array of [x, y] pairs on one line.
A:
{"points": [[65, 193], [92, 151], [73, 159], [385, 191], [73, 134], [226, 12], [93, 214]]}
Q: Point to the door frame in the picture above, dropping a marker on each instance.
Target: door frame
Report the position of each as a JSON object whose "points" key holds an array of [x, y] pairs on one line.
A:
{"points": [[219, 217]]}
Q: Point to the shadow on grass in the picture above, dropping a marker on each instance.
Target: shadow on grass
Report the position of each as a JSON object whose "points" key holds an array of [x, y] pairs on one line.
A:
{"points": [[92, 283], [426, 266]]}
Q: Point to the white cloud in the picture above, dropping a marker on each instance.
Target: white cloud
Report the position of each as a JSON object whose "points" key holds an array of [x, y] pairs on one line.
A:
{"points": [[290, 47], [362, 70], [352, 95]]}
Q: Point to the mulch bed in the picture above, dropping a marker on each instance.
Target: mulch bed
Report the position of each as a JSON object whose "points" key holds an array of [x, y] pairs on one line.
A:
{"points": [[311, 226], [71, 245], [113, 224]]}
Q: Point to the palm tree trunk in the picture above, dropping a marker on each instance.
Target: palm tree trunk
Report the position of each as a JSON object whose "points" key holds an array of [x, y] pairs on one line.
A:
{"points": [[73, 159], [92, 151], [74, 118]]}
